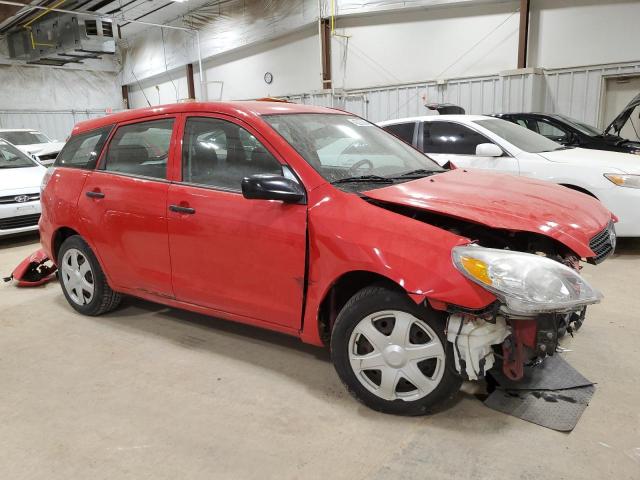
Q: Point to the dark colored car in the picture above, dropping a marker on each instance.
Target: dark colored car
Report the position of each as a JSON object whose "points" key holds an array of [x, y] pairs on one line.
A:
{"points": [[571, 132]]}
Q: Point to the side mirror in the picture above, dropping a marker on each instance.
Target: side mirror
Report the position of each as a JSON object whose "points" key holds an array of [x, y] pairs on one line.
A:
{"points": [[488, 150], [272, 187]]}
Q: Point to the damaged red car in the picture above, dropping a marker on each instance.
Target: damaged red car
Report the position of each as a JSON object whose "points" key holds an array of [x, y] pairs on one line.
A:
{"points": [[316, 223]]}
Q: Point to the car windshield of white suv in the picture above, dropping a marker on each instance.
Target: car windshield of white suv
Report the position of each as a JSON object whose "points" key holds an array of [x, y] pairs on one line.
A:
{"points": [[25, 138], [11, 157], [520, 137], [344, 148]]}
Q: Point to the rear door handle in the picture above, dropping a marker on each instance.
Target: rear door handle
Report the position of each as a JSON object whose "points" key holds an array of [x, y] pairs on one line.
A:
{"points": [[93, 194], [179, 209]]}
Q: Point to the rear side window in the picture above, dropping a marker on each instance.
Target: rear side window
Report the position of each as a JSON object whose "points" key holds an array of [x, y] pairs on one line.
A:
{"points": [[141, 149], [404, 131], [82, 151], [448, 137]]}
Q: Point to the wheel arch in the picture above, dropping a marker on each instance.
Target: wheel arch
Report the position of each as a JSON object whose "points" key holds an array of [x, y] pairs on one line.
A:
{"points": [[339, 293], [60, 235]]}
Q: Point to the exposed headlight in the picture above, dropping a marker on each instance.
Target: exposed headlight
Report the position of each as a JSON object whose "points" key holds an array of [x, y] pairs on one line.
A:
{"points": [[623, 180], [526, 283]]}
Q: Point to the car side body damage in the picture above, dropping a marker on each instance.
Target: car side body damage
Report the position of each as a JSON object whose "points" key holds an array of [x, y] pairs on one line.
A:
{"points": [[414, 243]]}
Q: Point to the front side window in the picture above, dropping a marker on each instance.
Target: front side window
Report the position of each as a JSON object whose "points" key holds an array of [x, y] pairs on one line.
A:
{"points": [[220, 154], [521, 138], [141, 149], [82, 151], [404, 131], [453, 138], [24, 138], [341, 146], [11, 157]]}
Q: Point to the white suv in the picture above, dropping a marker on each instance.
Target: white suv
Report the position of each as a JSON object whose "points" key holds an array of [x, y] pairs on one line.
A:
{"points": [[477, 141], [20, 178]]}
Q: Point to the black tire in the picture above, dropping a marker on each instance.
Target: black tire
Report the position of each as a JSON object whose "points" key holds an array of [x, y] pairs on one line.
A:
{"points": [[374, 299], [104, 299]]}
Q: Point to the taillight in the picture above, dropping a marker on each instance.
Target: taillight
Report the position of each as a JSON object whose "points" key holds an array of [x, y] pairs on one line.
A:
{"points": [[47, 176]]}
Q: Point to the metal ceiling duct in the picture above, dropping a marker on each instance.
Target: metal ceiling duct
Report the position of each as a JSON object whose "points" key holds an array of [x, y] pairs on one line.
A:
{"points": [[58, 39]]}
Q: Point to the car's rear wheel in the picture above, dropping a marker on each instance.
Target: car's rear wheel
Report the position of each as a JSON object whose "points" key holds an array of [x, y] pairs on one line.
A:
{"points": [[83, 282], [391, 353]]}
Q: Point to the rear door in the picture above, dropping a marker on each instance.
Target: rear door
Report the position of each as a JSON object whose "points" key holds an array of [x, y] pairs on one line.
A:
{"points": [[124, 206], [456, 143], [241, 257]]}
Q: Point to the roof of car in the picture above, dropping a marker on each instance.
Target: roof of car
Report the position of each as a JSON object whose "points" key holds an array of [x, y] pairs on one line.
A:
{"points": [[17, 130], [436, 118], [238, 109]]}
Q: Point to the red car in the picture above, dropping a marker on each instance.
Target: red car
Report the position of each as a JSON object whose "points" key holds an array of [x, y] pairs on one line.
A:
{"points": [[316, 223]]}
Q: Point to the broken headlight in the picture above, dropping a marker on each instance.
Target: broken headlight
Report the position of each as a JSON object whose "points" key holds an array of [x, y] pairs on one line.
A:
{"points": [[526, 283]]}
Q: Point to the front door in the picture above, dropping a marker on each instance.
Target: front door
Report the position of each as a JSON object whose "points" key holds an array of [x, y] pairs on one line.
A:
{"points": [[456, 143], [239, 256], [124, 205]]}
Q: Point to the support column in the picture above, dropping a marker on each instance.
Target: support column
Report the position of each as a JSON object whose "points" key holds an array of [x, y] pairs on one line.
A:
{"points": [[191, 88], [325, 45], [125, 96], [524, 33]]}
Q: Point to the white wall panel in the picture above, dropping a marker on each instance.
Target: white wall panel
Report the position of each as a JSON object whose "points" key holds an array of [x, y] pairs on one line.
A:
{"points": [[583, 32], [411, 46], [53, 100]]}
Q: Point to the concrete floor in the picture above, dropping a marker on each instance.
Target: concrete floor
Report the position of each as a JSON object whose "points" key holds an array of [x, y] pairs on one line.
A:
{"points": [[152, 392]]}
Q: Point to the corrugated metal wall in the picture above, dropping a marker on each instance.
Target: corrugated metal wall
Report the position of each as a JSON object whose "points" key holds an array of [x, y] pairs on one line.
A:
{"points": [[576, 92], [57, 124]]}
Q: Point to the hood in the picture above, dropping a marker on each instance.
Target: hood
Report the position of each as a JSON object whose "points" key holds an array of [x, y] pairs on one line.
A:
{"points": [[505, 202], [601, 159], [16, 179], [42, 148], [618, 122]]}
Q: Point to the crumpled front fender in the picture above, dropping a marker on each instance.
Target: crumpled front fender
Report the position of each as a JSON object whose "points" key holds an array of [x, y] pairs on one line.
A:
{"points": [[34, 270]]}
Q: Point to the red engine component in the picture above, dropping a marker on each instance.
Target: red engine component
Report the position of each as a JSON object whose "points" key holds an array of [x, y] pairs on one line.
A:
{"points": [[523, 334]]}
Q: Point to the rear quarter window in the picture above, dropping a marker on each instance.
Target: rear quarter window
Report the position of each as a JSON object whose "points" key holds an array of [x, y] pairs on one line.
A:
{"points": [[83, 150]]}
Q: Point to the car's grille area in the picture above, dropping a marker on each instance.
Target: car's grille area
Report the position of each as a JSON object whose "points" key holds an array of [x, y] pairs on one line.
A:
{"points": [[29, 197], [48, 156], [603, 244], [19, 222]]}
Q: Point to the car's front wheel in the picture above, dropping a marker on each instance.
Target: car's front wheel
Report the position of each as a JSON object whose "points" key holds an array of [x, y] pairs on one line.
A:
{"points": [[83, 282], [392, 354]]}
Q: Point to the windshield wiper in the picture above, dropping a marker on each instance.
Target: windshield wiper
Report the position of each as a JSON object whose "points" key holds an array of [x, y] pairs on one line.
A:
{"points": [[364, 179], [420, 172]]}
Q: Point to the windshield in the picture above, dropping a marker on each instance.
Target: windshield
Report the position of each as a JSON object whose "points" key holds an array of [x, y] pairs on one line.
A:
{"points": [[518, 136], [24, 138], [581, 127], [343, 146], [11, 157]]}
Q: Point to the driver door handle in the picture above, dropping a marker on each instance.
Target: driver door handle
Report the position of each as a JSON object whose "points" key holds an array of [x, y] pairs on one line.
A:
{"points": [[180, 209], [94, 194]]}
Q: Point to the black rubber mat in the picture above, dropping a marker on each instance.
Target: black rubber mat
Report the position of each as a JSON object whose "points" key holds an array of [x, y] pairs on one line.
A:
{"points": [[552, 394], [552, 374], [556, 409]]}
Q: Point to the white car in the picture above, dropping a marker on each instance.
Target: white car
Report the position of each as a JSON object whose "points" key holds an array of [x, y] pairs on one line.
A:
{"points": [[33, 142], [477, 141], [20, 178]]}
